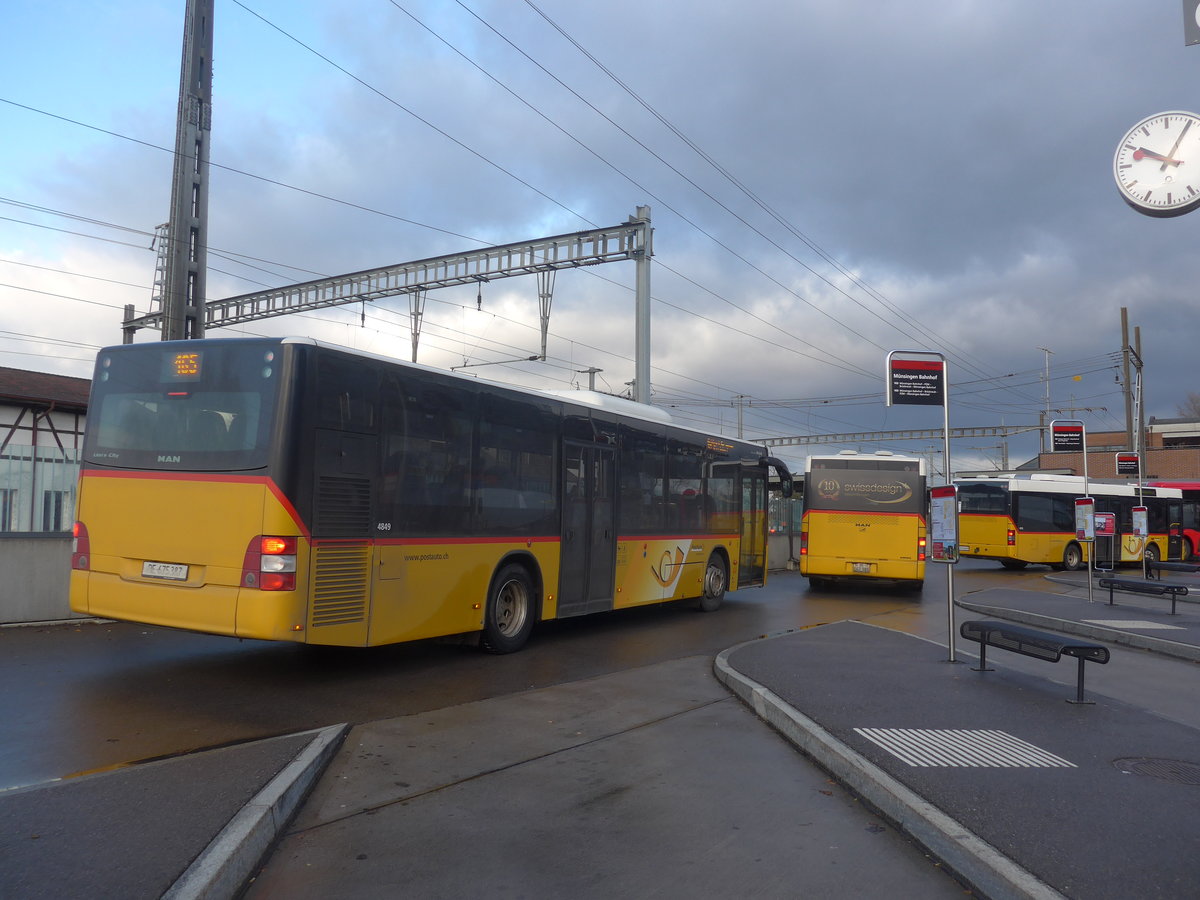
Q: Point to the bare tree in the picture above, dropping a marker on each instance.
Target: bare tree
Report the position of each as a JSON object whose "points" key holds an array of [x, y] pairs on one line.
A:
{"points": [[1191, 408]]}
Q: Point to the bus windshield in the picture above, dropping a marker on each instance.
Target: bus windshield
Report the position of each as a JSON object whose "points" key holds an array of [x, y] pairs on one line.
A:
{"points": [[193, 410]]}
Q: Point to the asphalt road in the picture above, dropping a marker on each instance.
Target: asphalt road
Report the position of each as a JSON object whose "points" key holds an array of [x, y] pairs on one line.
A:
{"points": [[90, 697]]}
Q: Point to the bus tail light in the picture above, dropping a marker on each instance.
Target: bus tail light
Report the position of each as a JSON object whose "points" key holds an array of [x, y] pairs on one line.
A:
{"points": [[270, 564], [921, 544], [81, 548], [1012, 538], [804, 543]]}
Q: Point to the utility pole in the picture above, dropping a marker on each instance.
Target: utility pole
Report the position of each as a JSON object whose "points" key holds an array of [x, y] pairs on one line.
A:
{"points": [[187, 232], [1141, 388], [739, 401], [591, 373], [1045, 417], [1127, 384], [641, 254]]}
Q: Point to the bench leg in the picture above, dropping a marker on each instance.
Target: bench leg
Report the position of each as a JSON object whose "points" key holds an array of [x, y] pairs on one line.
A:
{"points": [[1079, 686], [983, 666]]}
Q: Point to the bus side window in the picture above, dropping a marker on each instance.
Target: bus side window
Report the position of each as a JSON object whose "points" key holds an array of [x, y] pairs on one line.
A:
{"points": [[346, 392], [684, 486], [427, 453], [1064, 514], [516, 468]]}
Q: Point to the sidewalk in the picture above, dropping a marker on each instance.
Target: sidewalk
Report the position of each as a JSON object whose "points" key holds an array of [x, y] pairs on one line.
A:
{"points": [[1017, 791], [192, 826]]}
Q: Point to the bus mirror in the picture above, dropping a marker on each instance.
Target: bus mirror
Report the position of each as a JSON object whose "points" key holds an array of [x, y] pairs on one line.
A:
{"points": [[785, 476]]}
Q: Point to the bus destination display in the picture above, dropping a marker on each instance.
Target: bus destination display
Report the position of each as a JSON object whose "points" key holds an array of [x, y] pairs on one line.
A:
{"points": [[183, 366]]}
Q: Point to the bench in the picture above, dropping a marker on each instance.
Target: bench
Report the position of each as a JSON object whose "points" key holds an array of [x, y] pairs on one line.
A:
{"points": [[1160, 566], [1159, 588], [1038, 644]]}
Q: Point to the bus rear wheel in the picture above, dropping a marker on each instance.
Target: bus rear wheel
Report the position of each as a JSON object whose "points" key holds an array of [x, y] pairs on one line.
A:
{"points": [[508, 619], [1072, 557], [716, 580]]}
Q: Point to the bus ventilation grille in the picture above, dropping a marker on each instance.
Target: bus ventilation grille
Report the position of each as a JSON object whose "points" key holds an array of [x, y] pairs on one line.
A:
{"points": [[340, 583], [343, 507]]}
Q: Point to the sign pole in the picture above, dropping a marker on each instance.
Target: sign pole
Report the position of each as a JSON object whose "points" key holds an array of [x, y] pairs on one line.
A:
{"points": [[920, 378], [1087, 493], [950, 482], [1071, 435]]}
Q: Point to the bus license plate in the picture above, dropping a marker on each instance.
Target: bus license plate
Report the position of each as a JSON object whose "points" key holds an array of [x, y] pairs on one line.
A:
{"points": [[170, 571], [862, 568]]}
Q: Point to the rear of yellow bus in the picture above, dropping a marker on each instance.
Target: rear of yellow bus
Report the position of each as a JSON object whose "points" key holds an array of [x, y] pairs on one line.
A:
{"points": [[863, 524], [863, 545], [180, 520]]}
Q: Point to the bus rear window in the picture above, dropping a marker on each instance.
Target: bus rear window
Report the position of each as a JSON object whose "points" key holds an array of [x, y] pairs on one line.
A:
{"points": [[149, 413]]}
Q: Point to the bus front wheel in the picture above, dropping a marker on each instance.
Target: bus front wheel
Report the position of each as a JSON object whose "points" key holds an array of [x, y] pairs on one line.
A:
{"points": [[1150, 554], [508, 619], [1072, 557], [716, 580]]}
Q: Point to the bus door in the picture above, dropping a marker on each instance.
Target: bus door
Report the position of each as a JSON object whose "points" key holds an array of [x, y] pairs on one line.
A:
{"points": [[1175, 529], [587, 551], [752, 558]]}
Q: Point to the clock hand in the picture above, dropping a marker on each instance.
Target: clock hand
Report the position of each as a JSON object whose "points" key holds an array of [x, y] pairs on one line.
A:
{"points": [[1142, 153], [1175, 146]]}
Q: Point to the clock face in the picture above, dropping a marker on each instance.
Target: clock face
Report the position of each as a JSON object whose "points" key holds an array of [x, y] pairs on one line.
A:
{"points": [[1157, 165]]}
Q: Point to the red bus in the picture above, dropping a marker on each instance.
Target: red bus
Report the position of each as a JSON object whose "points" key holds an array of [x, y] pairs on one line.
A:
{"points": [[1183, 516]]}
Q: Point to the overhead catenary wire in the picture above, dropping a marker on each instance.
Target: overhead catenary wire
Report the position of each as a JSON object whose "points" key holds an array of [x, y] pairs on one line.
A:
{"points": [[678, 307]]}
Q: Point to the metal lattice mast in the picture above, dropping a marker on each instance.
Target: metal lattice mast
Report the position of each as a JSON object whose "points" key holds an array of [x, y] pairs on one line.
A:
{"points": [[187, 233]]}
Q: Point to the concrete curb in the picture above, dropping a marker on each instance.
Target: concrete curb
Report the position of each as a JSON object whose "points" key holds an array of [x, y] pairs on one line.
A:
{"points": [[221, 869], [973, 860]]}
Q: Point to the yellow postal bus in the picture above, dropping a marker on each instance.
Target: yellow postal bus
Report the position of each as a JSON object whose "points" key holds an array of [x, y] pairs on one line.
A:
{"points": [[288, 490], [864, 519], [1030, 518]]}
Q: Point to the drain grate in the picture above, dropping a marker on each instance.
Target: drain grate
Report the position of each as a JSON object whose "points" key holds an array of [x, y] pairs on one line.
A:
{"points": [[1177, 771], [957, 747]]}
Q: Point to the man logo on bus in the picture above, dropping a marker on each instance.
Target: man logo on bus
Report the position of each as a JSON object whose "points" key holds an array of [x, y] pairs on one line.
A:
{"points": [[829, 489]]}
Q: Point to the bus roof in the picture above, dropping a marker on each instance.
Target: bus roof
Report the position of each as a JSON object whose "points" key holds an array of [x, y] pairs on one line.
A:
{"points": [[1045, 482], [849, 456], [1182, 485]]}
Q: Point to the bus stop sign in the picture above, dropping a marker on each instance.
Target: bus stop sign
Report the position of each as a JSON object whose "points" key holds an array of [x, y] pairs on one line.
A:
{"points": [[1067, 436], [1127, 464], [919, 382]]}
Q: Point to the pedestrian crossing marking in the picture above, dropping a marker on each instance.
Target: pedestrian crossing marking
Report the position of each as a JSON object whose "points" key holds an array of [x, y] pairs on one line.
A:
{"points": [[956, 747]]}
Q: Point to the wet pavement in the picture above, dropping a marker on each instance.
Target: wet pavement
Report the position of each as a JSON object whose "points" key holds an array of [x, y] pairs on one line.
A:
{"points": [[656, 780]]}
